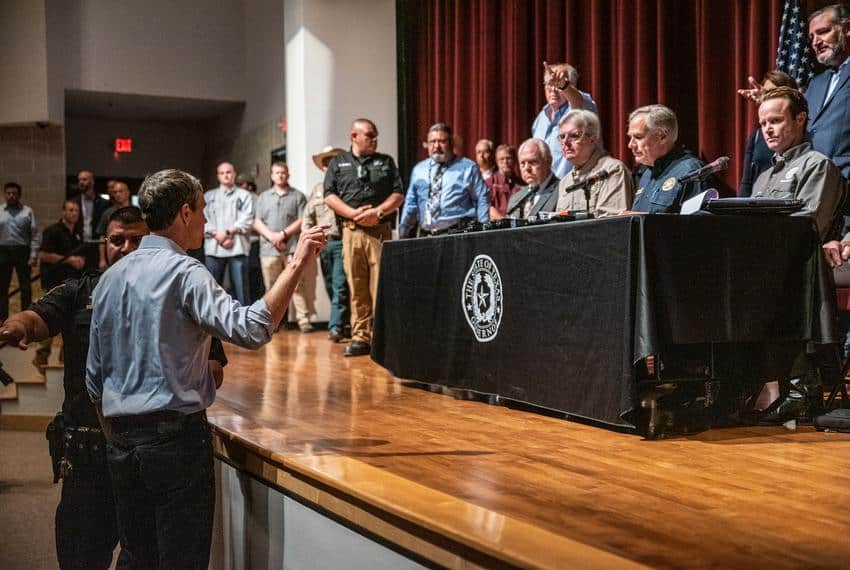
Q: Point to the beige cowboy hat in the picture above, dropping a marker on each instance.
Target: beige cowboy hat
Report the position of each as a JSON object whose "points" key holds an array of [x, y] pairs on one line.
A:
{"points": [[322, 159]]}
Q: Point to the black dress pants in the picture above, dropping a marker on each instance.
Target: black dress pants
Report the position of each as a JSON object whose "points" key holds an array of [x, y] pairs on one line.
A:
{"points": [[86, 525], [164, 483], [14, 257]]}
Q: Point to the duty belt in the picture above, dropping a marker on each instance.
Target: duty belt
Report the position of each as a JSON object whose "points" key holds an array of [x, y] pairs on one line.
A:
{"points": [[352, 225]]}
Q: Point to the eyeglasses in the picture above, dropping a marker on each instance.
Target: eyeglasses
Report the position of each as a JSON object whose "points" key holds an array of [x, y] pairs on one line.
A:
{"points": [[119, 240], [573, 137]]}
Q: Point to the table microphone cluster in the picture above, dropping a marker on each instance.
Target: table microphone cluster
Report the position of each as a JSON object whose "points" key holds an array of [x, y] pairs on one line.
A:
{"points": [[509, 223]]}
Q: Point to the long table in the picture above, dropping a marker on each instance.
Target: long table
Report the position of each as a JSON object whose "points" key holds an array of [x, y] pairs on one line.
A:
{"points": [[561, 315]]}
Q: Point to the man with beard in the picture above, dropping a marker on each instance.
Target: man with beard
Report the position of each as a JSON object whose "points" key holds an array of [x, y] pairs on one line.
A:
{"points": [[446, 191]]}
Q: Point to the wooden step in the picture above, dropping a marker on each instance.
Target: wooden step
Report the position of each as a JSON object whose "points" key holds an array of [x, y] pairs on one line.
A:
{"points": [[9, 392]]}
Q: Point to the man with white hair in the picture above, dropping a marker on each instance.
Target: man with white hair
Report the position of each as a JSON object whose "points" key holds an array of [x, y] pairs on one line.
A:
{"points": [[562, 96], [484, 158], [582, 145], [653, 132], [540, 194]]}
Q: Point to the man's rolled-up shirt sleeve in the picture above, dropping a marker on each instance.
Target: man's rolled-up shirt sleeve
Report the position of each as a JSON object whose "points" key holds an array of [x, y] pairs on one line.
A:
{"points": [[245, 217], [481, 196], [409, 211], [209, 305]]}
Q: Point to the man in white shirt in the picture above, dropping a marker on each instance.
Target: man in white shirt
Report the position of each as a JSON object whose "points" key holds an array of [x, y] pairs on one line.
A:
{"points": [[230, 213]]}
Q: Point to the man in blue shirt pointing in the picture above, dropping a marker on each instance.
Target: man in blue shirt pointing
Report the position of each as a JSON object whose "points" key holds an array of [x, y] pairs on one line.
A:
{"points": [[149, 377]]}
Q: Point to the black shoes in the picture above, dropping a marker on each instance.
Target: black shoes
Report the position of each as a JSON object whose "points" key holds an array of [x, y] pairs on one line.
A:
{"points": [[357, 348], [799, 401], [335, 335]]}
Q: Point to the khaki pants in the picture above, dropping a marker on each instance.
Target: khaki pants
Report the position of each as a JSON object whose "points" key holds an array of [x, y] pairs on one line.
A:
{"points": [[304, 297], [361, 258]]}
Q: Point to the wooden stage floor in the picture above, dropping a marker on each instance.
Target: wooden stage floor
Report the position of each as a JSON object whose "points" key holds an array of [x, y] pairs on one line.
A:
{"points": [[525, 489]]}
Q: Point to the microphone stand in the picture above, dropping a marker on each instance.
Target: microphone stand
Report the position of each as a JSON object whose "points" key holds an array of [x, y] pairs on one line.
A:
{"points": [[585, 186]]}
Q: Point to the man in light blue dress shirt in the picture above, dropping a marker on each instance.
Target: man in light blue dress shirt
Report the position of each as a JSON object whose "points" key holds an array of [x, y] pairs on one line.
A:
{"points": [[562, 96], [445, 191], [149, 377]]}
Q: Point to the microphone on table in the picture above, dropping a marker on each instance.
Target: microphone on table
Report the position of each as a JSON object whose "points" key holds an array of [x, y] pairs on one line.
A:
{"points": [[586, 184], [718, 165]]}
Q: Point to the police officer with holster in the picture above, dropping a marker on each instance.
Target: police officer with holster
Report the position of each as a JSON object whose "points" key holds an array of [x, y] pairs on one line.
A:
{"points": [[86, 523]]}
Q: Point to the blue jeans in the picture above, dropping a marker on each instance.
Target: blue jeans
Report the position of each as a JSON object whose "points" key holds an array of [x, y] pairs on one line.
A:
{"points": [[238, 265], [335, 285], [164, 484]]}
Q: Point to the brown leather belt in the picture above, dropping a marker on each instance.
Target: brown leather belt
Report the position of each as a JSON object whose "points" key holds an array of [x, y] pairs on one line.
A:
{"points": [[352, 225]]}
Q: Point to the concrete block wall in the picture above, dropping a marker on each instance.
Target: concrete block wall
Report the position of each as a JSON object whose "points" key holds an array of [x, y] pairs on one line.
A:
{"points": [[34, 157]]}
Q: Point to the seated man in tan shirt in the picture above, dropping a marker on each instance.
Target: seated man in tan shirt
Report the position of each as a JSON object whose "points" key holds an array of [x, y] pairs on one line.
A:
{"points": [[582, 146]]}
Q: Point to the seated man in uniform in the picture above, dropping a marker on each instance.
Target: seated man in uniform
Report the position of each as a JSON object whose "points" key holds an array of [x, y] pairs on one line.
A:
{"points": [[582, 146], [798, 172], [653, 132]]}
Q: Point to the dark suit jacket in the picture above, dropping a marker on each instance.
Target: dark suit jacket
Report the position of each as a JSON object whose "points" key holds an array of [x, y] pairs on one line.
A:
{"points": [[546, 203], [829, 124], [100, 206]]}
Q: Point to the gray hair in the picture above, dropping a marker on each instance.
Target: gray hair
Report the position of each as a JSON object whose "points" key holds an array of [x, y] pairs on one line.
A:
{"points": [[840, 14], [587, 120], [163, 194], [487, 142], [542, 148], [659, 117], [440, 127]]}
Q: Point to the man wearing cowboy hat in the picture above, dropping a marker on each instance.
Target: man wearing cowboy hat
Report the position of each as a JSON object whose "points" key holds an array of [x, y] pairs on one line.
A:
{"points": [[363, 187], [317, 213]]}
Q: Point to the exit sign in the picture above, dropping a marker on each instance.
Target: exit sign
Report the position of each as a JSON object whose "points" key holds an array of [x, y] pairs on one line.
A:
{"points": [[123, 145]]}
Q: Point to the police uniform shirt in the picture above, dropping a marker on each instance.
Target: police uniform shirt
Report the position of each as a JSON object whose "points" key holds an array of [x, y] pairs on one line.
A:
{"points": [[809, 176], [360, 181], [658, 186], [67, 309]]}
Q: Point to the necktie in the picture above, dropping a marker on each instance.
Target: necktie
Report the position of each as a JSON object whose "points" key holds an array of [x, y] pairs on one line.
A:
{"points": [[529, 201], [434, 194], [833, 82]]}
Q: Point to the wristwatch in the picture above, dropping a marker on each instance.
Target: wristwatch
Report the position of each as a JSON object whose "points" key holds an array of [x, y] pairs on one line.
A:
{"points": [[380, 213]]}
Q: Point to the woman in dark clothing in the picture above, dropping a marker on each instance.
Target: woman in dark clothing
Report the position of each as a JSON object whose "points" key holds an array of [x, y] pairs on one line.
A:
{"points": [[757, 157]]}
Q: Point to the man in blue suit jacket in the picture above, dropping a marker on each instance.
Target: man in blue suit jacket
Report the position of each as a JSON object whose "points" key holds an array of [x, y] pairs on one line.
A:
{"points": [[829, 98], [829, 93]]}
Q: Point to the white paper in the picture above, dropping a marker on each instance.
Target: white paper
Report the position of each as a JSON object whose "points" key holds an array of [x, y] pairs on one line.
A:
{"points": [[696, 203]]}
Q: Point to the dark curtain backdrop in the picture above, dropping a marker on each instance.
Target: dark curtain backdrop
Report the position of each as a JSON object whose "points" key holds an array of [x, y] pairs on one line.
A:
{"points": [[477, 65]]}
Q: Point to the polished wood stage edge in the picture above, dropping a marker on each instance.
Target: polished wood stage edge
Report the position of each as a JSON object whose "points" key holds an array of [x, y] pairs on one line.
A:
{"points": [[443, 478]]}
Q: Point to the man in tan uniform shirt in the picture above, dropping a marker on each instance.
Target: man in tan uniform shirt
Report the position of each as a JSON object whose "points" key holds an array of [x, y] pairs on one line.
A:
{"points": [[580, 143]]}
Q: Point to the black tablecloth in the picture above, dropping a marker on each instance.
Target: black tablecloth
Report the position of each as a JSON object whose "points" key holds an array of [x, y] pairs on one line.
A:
{"points": [[581, 303]]}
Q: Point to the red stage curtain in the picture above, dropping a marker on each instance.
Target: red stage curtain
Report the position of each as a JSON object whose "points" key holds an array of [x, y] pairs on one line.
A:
{"points": [[477, 65]]}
